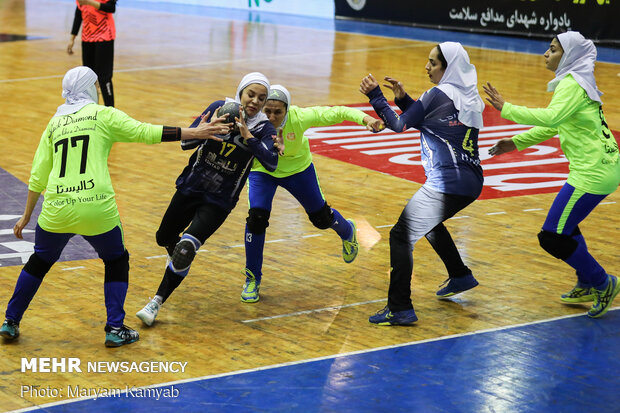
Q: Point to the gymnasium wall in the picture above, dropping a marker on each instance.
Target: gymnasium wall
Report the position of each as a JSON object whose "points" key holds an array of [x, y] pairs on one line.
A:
{"points": [[595, 19], [313, 8]]}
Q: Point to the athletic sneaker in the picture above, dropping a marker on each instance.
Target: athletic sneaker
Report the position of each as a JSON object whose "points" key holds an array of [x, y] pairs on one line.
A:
{"points": [[9, 329], [149, 312], [457, 285], [350, 248], [578, 295], [250, 288], [117, 336], [604, 298], [387, 318]]}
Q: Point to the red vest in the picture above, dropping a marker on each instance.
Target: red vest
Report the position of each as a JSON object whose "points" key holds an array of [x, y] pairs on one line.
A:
{"points": [[97, 25]]}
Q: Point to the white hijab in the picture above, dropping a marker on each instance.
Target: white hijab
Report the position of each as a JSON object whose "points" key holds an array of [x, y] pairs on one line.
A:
{"points": [[280, 93], [250, 78], [578, 60], [459, 83], [79, 89]]}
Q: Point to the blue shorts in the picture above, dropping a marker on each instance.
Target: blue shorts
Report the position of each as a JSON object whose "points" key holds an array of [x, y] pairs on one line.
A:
{"points": [[304, 186], [49, 245], [569, 208]]}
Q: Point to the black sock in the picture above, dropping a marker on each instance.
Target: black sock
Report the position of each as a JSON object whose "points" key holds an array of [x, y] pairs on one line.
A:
{"points": [[168, 284]]}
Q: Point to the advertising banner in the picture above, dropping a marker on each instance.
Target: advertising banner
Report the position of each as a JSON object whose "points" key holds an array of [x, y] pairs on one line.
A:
{"points": [[595, 19], [314, 8]]}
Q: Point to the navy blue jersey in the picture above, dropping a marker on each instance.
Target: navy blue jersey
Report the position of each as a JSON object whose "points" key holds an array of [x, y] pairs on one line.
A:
{"points": [[449, 149], [217, 171]]}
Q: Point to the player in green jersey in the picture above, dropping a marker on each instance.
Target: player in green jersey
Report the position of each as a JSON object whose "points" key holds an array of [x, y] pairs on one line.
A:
{"points": [[575, 113], [296, 174], [71, 166]]}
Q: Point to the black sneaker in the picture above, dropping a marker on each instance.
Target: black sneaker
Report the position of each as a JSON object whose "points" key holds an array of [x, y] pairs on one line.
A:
{"points": [[386, 317], [9, 329], [117, 336]]}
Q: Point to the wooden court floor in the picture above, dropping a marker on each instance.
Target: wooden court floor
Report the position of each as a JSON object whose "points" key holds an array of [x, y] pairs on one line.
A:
{"points": [[168, 68]]}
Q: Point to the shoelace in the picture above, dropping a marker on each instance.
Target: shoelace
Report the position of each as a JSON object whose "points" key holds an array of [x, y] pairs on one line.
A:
{"points": [[124, 332], [444, 283], [383, 310], [151, 306]]}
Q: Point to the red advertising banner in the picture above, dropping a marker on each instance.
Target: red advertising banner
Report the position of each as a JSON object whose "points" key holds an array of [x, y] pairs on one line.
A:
{"points": [[538, 169]]}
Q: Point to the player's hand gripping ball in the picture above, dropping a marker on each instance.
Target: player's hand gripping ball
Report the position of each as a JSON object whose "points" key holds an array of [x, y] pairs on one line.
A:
{"points": [[231, 110]]}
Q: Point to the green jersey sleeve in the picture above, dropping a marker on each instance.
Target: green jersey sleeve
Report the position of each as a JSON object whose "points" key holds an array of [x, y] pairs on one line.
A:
{"points": [[562, 106], [534, 136], [121, 127], [297, 156], [328, 115], [42, 164]]}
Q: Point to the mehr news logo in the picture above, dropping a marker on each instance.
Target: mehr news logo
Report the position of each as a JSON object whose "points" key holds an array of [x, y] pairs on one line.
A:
{"points": [[74, 365]]}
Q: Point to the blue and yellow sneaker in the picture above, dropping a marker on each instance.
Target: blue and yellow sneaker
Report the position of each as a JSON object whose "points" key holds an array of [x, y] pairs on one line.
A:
{"points": [[455, 286], [9, 329], [351, 247], [250, 288], [118, 336], [578, 294], [386, 317], [604, 298]]}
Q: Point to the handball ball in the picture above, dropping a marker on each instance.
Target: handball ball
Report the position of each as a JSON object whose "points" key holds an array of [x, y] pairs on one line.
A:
{"points": [[232, 111]]}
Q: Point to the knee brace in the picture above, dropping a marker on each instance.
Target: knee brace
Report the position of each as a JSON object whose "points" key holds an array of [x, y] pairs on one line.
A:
{"points": [[37, 266], [117, 269], [257, 220], [323, 218], [184, 253], [558, 245]]}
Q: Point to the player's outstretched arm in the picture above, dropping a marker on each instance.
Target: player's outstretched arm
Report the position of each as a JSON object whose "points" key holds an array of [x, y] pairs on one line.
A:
{"points": [[207, 130]]}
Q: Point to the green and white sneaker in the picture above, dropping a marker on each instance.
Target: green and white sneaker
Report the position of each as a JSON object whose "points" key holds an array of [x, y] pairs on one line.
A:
{"points": [[119, 336], [250, 288], [604, 298], [578, 295], [351, 247], [9, 329]]}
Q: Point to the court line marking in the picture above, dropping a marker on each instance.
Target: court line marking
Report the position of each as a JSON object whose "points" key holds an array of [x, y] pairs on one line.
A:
{"points": [[299, 362], [221, 62], [318, 310], [72, 268]]}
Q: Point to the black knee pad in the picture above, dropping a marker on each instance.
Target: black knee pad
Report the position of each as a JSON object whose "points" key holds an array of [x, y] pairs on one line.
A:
{"points": [[183, 255], [323, 218], [558, 245], [117, 269], [37, 267], [257, 220]]}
